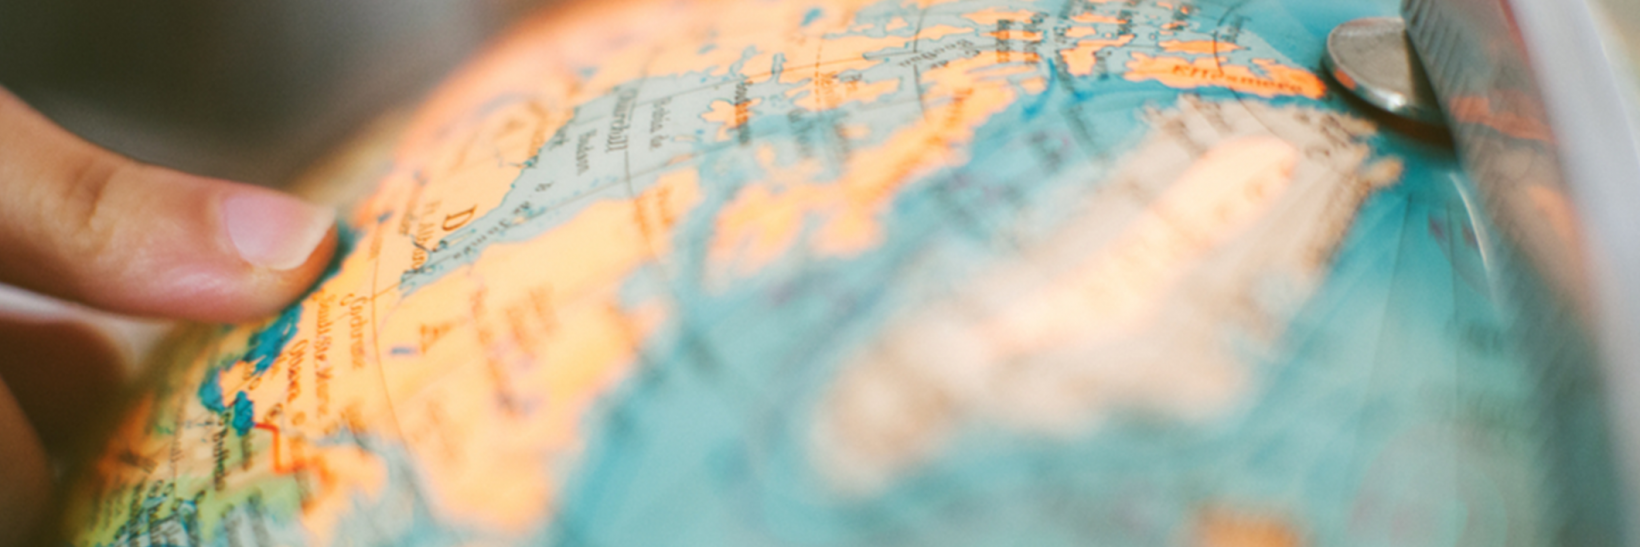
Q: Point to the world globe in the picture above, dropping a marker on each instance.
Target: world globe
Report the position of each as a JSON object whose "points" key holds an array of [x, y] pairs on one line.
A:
{"points": [[885, 272]]}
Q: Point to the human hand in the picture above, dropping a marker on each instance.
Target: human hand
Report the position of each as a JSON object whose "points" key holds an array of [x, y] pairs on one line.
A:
{"points": [[86, 225]]}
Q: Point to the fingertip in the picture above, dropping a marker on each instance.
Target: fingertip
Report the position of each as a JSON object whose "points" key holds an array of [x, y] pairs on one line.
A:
{"points": [[210, 249], [87, 225], [276, 289], [279, 246], [275, 231]]}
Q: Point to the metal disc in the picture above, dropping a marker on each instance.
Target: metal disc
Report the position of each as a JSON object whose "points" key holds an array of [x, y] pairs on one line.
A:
{"points": [[1372, 58]]}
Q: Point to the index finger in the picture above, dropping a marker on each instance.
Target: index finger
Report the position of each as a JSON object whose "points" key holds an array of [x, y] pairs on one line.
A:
{"points": [[85, 224]]}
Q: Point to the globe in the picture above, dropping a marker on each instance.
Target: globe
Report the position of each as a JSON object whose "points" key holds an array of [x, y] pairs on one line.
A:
{"points": [[886, 272]]}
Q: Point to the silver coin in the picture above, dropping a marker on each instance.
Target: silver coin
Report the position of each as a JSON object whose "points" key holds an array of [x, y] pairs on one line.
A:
{"points": [[1372, 58]]}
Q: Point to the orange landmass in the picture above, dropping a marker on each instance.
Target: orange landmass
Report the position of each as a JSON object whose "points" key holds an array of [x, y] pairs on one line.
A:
{"points": [[1030, 36], [1203, 47], [1078, 32], [990, 16], [344, 473], [1034, 85], [729, 116], [1095, 18], [940, 31], [534, 347], [1080, 60], [760, 226], [1222, 528], [761, 223], [1186, 74]]}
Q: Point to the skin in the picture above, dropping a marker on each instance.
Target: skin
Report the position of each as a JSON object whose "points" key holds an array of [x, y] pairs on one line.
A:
{"points": [[86, 225]]}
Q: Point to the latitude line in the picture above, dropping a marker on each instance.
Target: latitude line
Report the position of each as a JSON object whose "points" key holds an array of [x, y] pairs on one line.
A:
{"points": [[376, 341]]}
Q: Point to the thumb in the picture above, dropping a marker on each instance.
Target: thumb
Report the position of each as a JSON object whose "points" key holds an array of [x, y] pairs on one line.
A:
{"points": [[85, 224]]}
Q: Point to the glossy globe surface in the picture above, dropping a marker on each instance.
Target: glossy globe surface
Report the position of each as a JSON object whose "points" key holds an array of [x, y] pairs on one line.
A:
{"points": [[974, 272]]}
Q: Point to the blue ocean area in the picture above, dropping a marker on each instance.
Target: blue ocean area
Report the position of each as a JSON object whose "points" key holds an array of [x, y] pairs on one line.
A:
{"points": [[265, 346], [244, 414], [210, 391]]}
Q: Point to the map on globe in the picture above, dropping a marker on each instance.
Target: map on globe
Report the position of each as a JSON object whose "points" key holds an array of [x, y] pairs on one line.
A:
{"points": [[887, 272]]}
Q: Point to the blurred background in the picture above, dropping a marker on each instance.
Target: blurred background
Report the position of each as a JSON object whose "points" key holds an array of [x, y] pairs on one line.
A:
{"points": [[251, 90]]}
